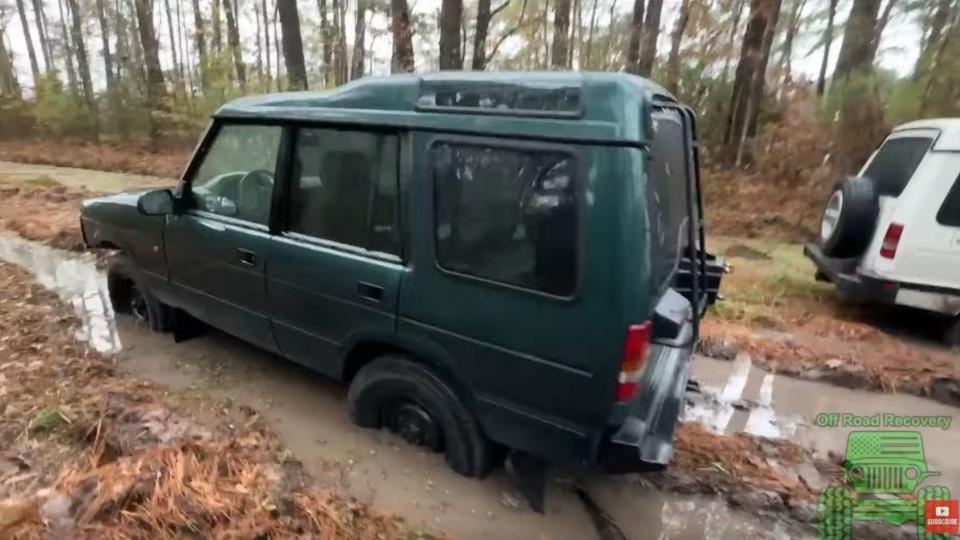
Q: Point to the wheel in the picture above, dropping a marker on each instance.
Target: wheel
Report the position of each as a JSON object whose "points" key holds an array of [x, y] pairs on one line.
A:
{"points": [[924, 494], [410, 400], [129, 296], [835, 513], [952, 336], [848, 220]]}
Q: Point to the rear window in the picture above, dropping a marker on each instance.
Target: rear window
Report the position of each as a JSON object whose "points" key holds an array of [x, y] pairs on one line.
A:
{"points": [[507, 215], [667, 192], [949, 213], [896, 162]]}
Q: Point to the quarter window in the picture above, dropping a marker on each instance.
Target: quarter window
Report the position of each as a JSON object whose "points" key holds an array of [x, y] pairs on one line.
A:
{"points": [[236, 176], [895, 163], [345, 188], [949, 213], [507, 215]]}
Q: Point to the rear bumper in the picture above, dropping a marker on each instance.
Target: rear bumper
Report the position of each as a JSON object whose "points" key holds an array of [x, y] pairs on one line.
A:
{"points": [[865, 289], [643, 438], [852, 285]]}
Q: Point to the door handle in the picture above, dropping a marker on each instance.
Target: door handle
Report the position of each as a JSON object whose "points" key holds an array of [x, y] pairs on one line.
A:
{"points": [[370, 291], [247, 257]]}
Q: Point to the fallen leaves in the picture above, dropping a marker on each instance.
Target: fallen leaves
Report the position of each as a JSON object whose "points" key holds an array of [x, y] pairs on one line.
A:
{"points": [[88, 453]]}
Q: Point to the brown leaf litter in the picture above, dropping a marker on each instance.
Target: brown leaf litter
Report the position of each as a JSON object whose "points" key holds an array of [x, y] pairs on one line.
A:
{"points": [[848, 354], [49, 215], [112, 457]]}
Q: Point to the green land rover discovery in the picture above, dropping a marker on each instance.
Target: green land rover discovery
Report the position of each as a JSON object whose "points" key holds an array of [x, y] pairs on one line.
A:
{"points": [[491, 260]]}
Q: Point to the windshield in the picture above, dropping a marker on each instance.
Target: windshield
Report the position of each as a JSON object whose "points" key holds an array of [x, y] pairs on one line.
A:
{"points": [[895, 163]]}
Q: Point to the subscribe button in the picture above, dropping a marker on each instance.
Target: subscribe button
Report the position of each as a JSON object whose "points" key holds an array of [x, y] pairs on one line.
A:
{"points": [[942, 517]]}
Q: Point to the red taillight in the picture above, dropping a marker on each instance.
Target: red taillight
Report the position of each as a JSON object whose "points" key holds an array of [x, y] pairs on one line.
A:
{"points": [[891, 240], [634, 355]]}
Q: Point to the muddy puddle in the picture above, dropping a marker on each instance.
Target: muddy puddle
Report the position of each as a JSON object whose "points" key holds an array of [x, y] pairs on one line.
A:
{"points": [[309, 414], [737, 396]]}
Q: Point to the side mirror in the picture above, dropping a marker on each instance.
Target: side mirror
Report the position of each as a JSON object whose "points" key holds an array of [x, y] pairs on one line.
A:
{"points": [[156, 203]]}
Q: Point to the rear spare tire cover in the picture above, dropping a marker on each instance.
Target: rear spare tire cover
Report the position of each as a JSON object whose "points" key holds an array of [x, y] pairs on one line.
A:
{"points": [[848, 220]]}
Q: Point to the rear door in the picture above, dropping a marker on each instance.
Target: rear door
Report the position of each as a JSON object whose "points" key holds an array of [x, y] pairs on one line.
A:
{"points": [[507, 285], [334, 268]]}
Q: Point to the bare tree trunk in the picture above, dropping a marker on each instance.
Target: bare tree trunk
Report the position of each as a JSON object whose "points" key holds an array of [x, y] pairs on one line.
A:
{"points": [[881, 26], [42, 36], [359, 41], [546, 34], [793, 26], [83, 66], [105, 41], [186, 57], [277, 50], [856, 52], [402, 60], [938, 22], [935, 71], [479, 59], [576, 31], [751, 68], [731, 44], [636, 33], [200, 38], [156, 90], [217, 29], [561, 35], [69, 53], [31, 53], [123, 46], [266, 38], [587, 61], [827, 43], [8, 75], [233, 39], [292, 44], [451, 12], [651, 31], [173, 39], [256, 10], [326, 41], [344, 60], [676, 39], [608, 57]]}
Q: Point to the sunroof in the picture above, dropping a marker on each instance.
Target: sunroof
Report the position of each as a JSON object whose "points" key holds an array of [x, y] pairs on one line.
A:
{"points": [[485, 97]]}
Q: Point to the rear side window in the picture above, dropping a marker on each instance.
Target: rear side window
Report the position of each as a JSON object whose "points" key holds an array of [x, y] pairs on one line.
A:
{"points": [[507, 215], [896, 162], [949, 213], [345, 188]]}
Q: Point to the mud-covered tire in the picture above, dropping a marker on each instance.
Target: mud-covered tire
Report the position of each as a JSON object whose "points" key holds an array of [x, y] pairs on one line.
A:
{"points": [[849, 218], [129, 296], [835, 513], [924, 494], [393, 381], [951, 337]]}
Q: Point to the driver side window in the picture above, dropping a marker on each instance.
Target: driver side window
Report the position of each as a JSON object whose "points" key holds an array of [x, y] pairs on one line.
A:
{"points": [[236, 176]]}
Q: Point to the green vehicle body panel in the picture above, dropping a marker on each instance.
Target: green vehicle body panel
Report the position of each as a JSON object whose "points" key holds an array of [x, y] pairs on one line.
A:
{"points": [[539, 372]]}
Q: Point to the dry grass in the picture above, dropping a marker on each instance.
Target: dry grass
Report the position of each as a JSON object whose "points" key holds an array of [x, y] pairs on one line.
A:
{"points": [[130, 156]]}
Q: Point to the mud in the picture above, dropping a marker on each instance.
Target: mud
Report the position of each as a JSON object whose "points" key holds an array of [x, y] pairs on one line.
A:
{"points": [[308, 413]]}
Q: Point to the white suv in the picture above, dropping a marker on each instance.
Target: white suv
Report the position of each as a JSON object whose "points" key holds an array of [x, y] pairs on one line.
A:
{"points": [[892, 234]]}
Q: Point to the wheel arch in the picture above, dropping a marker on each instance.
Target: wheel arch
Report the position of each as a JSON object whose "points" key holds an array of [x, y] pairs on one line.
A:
{"points": [[364, 349]]}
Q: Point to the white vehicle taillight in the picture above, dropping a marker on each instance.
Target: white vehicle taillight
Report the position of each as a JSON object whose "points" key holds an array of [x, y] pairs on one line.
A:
{"points": [[891, 240]]}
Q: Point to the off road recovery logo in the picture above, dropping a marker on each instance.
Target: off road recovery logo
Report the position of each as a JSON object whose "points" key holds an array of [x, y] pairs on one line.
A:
{"points": [[882, 472]]}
